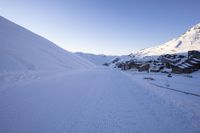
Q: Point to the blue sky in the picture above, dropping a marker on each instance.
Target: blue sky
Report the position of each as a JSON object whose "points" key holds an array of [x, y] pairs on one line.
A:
{"points": [[104, 26]]}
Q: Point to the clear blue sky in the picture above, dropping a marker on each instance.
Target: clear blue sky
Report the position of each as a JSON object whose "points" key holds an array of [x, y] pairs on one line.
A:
{"points": [[104, 26]]}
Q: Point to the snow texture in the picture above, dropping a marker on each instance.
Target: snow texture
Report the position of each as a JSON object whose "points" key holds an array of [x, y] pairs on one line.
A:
{"points": [[98, 100], [45, 89]]}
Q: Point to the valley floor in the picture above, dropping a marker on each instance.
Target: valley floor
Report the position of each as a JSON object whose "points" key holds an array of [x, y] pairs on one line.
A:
{"points": [[100, 100]]}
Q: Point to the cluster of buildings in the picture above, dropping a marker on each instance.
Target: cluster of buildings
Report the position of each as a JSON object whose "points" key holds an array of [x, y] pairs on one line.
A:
{"points": [[176, 63]]}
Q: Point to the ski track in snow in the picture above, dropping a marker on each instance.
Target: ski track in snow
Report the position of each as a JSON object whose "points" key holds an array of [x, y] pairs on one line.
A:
{"points": [[99, 100]]}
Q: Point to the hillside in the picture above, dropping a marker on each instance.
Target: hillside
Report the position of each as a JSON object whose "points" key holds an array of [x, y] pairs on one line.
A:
{"points": [[22, 50]]}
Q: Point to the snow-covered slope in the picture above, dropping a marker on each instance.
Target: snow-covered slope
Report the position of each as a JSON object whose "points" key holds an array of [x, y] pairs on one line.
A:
{"points": [[97, 101], [22, 50], [190, 40], [96, 59]]}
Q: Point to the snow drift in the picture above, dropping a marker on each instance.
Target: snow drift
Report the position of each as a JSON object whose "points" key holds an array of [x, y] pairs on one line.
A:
{"points": [[96, 59], [22, 50]]}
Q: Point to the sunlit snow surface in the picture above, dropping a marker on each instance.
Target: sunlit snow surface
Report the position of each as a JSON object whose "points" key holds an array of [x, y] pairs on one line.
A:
{"points": [[45, 89]]}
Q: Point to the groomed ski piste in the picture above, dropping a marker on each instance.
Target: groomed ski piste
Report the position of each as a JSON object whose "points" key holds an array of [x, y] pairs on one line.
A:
{"points": [[45, 89]]}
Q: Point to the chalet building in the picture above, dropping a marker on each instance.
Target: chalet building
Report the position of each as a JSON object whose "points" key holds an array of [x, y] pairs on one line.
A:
{"points": [[156, 68], [194, 54], [133, 65], [144, 67], [182, 68], [175, 63], [189, 66], [170, 60], [121, 65]]}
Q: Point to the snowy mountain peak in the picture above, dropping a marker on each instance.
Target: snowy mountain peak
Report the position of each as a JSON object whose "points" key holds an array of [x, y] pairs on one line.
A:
{"points": [[196, 27], [190, 40], [193, 33]]}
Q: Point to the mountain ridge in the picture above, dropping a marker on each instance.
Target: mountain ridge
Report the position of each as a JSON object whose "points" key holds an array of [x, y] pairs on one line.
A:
{"points": [[23, 50], [190, 40]]}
